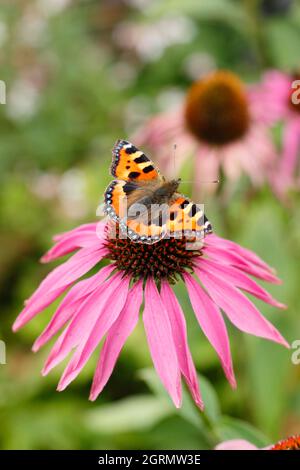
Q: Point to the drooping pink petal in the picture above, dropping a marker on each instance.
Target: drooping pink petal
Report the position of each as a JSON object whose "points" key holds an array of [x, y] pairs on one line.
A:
{"points": [[161, 343], [116, 338], [178, 325], [78, 238], [70, 305], [231, 156], [212, 324], [81, 228], [236, 444], [237, 260], [68, 272], [105, 319], [228, 245], [58, 281], [269, 99], [257, 153], [206, 163], [291, 148], [83, 321], [239, 309], [238, 279], [30, 311]]}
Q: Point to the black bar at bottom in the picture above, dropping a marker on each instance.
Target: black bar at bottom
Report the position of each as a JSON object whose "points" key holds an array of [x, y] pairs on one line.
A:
{"points": [[132, 458]]}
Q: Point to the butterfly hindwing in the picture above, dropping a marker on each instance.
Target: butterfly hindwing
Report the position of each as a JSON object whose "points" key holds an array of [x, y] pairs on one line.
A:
{"points": [[130, 163], [184, 219], [141, 232], [116, 204], [115, 199], [187, 218]]}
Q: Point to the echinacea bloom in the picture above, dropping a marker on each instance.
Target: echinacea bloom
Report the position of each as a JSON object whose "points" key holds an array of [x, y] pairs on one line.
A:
{"points": [[107, 304], [217, 126], [274, 102], [291, 443]]}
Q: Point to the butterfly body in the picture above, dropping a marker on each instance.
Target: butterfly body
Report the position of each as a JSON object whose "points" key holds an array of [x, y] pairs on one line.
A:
{"points": [[153, 192], [145, 204]]}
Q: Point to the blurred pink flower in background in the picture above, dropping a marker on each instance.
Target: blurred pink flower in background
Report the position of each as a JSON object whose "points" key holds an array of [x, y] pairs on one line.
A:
{"points": [[218, 126], [291, 443], [107, 304], [236, 444], [273, 100]]}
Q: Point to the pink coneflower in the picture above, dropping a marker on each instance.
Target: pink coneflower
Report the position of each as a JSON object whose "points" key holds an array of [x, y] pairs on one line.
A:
{"points": [[217, 125], [273, 101], [291, 443], [107, 304]]}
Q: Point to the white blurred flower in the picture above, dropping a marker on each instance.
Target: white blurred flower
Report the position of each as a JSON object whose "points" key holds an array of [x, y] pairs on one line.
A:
{"points": [[123, 75], [68, 190], [198, 65], [31, 28], [72, 194], [140, 4], [22, 100], [136, 113], [150, 40], [52, 7], [170, 98], [45, 185]]}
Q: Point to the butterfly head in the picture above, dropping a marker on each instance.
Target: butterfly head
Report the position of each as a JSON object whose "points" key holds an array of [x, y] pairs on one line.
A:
{"points": [[174, 184]]}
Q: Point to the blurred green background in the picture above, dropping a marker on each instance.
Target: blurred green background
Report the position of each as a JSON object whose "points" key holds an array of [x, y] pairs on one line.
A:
{"points": [[80, 74]]}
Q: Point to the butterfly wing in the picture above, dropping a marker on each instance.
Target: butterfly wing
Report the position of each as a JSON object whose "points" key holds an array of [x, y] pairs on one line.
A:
{"points": [[187, 219], [116, 198], [132, 167], [130, 164], [184, 219]]}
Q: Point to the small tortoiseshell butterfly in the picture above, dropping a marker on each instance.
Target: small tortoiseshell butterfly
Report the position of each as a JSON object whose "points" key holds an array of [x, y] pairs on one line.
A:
{"points": [[140, 185]]}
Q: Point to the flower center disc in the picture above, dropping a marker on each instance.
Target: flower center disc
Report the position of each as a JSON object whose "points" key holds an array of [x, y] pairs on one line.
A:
{"points": [[164, 259], [216, 109]]}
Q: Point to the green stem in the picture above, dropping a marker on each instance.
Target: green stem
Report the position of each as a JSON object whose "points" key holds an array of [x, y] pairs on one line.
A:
{"points": [[252, 7]]}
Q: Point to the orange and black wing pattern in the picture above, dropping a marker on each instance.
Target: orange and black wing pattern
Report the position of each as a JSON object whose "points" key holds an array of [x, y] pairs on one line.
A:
{"points": [[184, 219], [132, 167], [130, 163], [187, 219]]}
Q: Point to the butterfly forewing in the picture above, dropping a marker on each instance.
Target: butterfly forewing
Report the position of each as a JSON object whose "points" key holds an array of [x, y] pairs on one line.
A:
{"points": [[130, 163]]}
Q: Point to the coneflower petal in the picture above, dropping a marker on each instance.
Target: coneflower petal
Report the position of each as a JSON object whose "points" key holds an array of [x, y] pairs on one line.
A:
{"points": [[212, 324], [107, 315], [70, 305], [237, 260], [290, 148], [239, 309], [236, 444], [81, 228], [160, 341], [178, 325], [238, 279], [228, 245], [116, 338], [83, 321], [58, 281], [82, 237]]}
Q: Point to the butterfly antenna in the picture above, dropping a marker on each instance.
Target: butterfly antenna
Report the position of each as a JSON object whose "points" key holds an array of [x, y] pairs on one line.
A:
{"points": [[174, 155], [185, 181], [201, 181]]}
